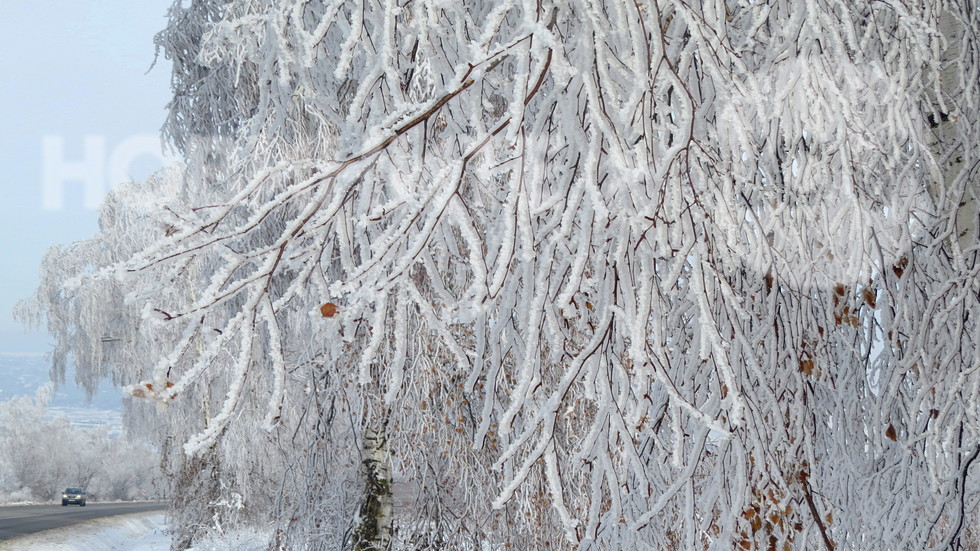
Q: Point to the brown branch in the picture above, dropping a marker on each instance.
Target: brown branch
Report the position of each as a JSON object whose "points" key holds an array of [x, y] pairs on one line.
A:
{"points": [[954, 540], [410, 124], [808, 494]]}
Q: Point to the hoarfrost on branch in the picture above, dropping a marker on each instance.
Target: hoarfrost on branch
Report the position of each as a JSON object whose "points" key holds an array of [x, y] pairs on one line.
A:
{"points": [[650, 274]]}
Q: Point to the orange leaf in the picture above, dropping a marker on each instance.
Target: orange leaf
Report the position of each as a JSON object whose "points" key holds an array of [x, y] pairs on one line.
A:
{"points": [[806, 367], [328, 310], [899, 267], [870, 297]]}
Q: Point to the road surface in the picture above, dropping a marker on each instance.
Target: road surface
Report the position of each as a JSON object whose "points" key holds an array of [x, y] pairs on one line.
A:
{"points": [[18, 520]]}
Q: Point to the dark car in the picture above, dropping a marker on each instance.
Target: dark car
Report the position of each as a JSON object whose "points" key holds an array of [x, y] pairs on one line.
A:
{"points": [[73, 495]]}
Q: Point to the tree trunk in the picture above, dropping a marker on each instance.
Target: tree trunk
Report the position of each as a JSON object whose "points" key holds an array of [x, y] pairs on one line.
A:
{"points": [[944, 129], [374, 522]]}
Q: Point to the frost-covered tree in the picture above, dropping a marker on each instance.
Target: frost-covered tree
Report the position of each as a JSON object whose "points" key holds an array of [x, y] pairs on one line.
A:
{"points": [[39, 457], [103, 330], [646, 274]]}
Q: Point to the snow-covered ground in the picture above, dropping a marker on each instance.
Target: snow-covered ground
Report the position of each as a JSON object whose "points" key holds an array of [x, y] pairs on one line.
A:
{"points": [[138, 532]]}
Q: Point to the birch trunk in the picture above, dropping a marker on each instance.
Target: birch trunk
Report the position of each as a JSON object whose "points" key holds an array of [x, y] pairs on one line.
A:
{"points": [[374, 522], [944, 127]]}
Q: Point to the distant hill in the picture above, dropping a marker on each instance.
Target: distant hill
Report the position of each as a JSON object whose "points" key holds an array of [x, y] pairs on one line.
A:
{"points": [[23, 374]]}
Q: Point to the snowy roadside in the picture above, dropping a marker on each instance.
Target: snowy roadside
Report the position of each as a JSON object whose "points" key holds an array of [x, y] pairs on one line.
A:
{"points": [[135, 532]]}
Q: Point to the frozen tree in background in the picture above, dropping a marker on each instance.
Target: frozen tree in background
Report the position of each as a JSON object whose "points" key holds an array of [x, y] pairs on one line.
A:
{"points": [[103, 330], [39, 456], [586, 275]]}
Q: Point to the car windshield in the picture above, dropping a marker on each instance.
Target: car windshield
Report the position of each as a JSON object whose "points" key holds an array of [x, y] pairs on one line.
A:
{"points": [[73, 491]]}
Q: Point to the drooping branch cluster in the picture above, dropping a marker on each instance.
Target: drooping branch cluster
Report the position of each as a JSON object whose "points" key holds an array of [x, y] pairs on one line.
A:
{"points": [[686, 274]]}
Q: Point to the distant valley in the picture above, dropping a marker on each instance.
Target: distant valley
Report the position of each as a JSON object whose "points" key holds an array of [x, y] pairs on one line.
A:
{"points": [[23, 374]]}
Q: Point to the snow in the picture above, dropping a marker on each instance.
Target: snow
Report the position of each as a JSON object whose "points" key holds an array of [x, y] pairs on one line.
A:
{"points": [[136, 532]]}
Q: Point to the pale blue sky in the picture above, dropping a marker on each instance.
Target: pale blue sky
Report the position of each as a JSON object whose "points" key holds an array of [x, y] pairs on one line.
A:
{"points": [[69, 69]]}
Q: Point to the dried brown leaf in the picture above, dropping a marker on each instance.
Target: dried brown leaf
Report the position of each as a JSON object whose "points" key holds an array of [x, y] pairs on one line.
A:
{"points": [[890, 433]]}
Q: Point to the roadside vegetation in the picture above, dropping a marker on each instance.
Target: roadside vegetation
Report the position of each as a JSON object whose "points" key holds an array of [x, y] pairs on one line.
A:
{"points": [[40, 457]]}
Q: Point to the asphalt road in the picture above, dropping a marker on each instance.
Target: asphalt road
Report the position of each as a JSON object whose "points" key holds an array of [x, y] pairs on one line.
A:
{"points": [[17, 520]]}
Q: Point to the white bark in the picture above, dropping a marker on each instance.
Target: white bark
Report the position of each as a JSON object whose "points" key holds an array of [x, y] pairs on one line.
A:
{"points": [[374, 525]]}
